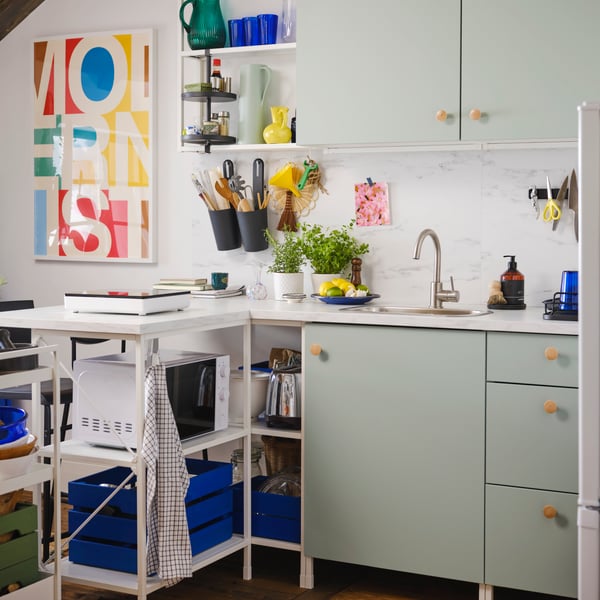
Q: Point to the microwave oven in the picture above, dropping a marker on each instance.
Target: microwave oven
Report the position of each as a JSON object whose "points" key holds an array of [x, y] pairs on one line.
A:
{"points": [[104, 394]]}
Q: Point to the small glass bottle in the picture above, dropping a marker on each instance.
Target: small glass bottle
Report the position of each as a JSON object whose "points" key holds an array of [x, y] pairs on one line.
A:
{"points": [[237, 460], [216, 79]]}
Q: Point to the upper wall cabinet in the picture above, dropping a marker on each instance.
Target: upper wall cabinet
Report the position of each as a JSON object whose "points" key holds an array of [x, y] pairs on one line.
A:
{"points": [[378, 72], [390, 72], [526, 66]]}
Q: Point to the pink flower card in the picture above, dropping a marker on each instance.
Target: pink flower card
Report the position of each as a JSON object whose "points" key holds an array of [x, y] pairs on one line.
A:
{"points": [[371, 204]]}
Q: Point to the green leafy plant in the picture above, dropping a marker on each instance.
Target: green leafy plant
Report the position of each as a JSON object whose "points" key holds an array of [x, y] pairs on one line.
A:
{"points": [[330, 250], [287, 253]]}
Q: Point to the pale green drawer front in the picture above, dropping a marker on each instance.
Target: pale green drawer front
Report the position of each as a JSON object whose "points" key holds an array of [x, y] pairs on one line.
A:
{"points": [[520, 358], [527, 446], [524, 549]]}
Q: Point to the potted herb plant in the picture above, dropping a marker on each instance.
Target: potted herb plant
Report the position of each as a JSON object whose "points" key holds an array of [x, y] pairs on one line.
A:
{"points": [[329, 251], [288, 259]]}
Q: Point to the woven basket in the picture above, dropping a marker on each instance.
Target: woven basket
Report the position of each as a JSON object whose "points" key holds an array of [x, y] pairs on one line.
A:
{"points": [[281, 453]]}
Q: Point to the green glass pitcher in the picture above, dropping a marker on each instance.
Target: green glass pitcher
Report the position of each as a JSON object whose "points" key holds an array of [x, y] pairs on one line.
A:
{"points": [[206, 27]]}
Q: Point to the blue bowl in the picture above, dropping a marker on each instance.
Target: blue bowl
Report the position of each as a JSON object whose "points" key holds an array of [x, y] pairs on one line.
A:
{"points": [[14, 423]]}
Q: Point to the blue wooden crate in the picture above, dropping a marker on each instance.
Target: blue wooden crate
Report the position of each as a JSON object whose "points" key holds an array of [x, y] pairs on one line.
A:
{"points": [[123, 557], [273, 516], [123, 528], [89, 492]]}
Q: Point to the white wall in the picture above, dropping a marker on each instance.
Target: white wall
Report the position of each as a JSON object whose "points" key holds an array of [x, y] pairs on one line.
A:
{"points": [[475, 200]]}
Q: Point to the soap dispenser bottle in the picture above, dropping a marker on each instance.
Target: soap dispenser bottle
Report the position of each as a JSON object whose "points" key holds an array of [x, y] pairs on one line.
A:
{"points": [[512, 284]]}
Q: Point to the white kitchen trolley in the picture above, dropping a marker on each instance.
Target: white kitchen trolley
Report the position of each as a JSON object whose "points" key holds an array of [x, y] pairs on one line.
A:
{"points": [[145, 332]]}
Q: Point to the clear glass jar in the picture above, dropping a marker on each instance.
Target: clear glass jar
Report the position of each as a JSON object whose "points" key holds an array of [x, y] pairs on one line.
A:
{"points": [[223, 120], [237, 460]]}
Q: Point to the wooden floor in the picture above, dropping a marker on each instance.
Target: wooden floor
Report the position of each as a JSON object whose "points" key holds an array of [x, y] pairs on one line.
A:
{"points": [[275, 577]]}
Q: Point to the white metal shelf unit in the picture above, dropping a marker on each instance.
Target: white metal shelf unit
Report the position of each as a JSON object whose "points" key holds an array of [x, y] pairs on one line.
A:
{"points": [[143, 331], [38, 472], [259, 429]]}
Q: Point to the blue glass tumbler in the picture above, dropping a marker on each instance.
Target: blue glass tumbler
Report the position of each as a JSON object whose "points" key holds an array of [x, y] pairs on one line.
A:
{"points": [[569, 286], [251, 31], [236, 33], [267, 26]]}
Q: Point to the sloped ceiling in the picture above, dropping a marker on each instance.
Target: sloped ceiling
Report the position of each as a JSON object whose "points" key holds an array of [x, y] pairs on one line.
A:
{"points": [[12, 12]]}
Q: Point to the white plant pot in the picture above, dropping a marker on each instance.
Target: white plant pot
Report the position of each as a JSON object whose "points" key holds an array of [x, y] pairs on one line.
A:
{"points": [[319, 278], [287, 283]]}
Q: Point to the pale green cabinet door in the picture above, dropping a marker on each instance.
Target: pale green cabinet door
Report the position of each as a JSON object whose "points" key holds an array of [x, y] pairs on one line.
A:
{"points": [[394, 448], [377, 72], [527, 66], [525, 549]]}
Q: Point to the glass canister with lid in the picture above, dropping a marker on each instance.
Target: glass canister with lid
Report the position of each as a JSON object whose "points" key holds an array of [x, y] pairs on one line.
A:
{"points": [[237, 461]]}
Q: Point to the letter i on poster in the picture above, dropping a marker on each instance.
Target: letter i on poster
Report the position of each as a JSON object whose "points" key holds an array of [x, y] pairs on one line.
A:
{"points": [[371, 203]]}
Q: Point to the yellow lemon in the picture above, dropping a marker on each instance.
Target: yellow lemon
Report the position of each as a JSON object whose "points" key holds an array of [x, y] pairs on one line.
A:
{"points": [[326, 285], [343, 284], [335, 291]]}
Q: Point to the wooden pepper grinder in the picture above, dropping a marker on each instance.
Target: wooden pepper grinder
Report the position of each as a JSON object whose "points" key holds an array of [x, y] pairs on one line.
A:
{"points": [[356, 266]]}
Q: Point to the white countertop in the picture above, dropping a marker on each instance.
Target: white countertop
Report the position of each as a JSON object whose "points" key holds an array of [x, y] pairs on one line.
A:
{"points": [[211, 314]]}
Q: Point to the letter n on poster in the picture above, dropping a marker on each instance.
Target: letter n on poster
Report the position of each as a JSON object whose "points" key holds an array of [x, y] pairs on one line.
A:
{"points": [[371, 202], [93, 121]]}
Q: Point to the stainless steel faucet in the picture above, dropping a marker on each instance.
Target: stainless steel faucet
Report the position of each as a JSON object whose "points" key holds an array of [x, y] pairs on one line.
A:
{"points": [[438, 295]]}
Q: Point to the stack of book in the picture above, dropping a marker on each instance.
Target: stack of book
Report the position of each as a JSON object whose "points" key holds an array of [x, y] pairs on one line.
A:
{"points": [[198, 287], [191, 284]]}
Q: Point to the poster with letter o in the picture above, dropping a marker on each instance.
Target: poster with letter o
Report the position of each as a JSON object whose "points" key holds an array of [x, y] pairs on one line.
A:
{"points": [[93, 188]]}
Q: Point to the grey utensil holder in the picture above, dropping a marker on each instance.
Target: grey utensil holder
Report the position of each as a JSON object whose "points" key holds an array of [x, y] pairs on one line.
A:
{"points": [[252, 228], [225, 229]]}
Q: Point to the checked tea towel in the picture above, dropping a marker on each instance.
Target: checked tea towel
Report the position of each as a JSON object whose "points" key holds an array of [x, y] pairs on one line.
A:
{"points": [[169, 550]]}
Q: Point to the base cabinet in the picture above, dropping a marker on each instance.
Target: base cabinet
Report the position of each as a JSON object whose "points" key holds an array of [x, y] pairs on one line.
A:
{"points": [[394, 448], [531, 463]]}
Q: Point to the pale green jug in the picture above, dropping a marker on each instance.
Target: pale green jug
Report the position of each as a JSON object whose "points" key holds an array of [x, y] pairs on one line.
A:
{"points": [[254, 83], [206, 27]]}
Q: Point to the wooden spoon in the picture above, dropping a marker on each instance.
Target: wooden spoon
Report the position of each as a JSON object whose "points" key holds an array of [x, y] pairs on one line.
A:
{"points": [[222, 188]]}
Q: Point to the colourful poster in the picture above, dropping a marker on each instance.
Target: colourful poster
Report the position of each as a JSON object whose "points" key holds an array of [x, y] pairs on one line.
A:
{"points": [[93, 147]]}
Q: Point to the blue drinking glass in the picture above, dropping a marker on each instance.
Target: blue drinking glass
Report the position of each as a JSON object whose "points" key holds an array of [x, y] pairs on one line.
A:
{"points": [[569, 286], [251, 31], [267, 25], [236, 32]]}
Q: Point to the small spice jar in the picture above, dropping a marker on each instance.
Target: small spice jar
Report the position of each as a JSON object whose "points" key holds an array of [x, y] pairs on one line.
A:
{"points": [[223, 120]]}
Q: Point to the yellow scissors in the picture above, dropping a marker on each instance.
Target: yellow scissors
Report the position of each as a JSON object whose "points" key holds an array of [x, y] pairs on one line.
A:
{"points": [[552, 210]]}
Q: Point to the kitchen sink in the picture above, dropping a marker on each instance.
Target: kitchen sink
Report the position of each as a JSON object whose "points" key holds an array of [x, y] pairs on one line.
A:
{"points": [[419, 311]]}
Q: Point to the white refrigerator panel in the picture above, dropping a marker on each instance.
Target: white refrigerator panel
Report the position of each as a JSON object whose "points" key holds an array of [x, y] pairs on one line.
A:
{"points": [[589, 303], [589, 352]]}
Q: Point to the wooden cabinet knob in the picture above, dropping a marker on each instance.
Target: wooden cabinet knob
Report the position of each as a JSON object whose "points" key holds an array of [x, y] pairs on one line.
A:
{"points": [[549, 511], [315, 349], [550, 407], [551, 353], [441, 115], [474, 114]]}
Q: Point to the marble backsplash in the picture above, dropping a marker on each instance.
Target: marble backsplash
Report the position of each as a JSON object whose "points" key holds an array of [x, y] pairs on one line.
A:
{"points": [[476, 200]]}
